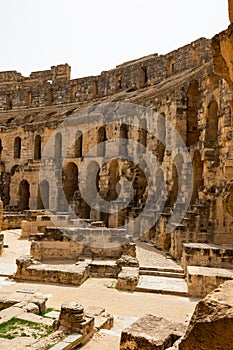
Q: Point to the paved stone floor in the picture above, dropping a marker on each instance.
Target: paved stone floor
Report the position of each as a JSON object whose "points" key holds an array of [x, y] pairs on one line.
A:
{"points": [[162, 284], [150, 256]]}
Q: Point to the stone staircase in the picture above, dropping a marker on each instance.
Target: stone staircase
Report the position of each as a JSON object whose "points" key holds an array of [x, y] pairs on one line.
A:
{"points": [[162, 280]]}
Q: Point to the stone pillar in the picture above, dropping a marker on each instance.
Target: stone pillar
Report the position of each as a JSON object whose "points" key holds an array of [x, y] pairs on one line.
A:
{"points": [[73, 319]]}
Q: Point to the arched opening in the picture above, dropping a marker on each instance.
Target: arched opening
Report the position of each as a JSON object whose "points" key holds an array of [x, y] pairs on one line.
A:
{"points": [[70, 181], [101, 138], [123, 139], [197, 175], [193, 96], [176, 175], [143, 134], [78, 144], [143, 76], [24, 195], [118, 82], [14, 169], [43, 195], [162, 138], [58, 146], [17, 148], [37, 147], [171, 65], [95, 88], [212, 123]]}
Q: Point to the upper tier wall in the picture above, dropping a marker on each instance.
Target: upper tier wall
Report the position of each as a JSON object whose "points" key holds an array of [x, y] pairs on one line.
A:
{"points": [[54, 87]]}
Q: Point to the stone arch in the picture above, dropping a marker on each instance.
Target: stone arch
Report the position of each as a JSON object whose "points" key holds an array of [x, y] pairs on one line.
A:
{"points": [[43, 195], [58, 146], [212, 123], [193, 97], [17, 147], [70, 181], [198, 180], [101, 138], [24, 195], [78, 144], [37, 147]]}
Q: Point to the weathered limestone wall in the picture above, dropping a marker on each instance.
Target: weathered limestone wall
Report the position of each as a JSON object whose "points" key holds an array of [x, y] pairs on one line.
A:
{"points": [[208, 255], [54, 87], [72, 243], [203, 280]]}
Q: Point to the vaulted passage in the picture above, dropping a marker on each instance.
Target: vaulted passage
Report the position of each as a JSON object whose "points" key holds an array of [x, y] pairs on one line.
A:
{"points": [[70, 181], [37, 147], [43, 195], [17, 148], [176, 176], [212, 123], [197, 175], [123, 140], [78, 144], [24, 195], [101, 138], [193, 97]]}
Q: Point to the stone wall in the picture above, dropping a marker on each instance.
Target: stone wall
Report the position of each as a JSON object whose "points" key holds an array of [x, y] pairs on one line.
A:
{"points": [[72, 244]]}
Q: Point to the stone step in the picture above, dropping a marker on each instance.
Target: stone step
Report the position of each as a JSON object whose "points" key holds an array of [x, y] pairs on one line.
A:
{"points": [[162, 269], [162, 285], [161, 273]]}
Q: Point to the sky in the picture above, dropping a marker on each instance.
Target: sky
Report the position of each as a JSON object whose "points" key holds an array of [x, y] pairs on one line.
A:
{"points": [[96, 35]]}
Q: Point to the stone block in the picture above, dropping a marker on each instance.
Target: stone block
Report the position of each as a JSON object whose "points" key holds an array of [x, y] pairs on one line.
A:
{"points": [[150, 333], [212, 322]]}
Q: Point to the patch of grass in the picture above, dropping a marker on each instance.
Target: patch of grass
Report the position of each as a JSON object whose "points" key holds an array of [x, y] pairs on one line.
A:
{"points": [[16, 327]]}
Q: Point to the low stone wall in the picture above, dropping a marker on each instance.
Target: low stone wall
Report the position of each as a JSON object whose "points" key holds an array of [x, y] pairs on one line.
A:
{"points": [[207, 255], [31, 270], [128, 278], [12, 221], [203, 280], [73, 243]]}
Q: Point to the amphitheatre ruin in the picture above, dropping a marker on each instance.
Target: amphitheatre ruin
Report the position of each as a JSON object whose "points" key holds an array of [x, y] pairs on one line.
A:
{"points": [[116, 207]]}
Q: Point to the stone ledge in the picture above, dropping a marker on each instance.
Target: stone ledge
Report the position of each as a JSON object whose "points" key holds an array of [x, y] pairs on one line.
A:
{"points": [[203, 280], [128, 278]]}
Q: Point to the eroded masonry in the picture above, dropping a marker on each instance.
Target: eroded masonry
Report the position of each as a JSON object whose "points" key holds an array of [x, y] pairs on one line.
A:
{"points": [[186, 88]]}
